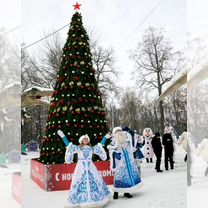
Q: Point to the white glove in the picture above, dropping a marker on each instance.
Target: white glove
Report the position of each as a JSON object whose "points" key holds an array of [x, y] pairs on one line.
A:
{"points": [[61, 133]]}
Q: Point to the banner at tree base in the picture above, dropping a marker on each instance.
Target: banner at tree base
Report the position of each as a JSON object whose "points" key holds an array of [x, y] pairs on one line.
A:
{"points": [[17, 187], [59, 176]]}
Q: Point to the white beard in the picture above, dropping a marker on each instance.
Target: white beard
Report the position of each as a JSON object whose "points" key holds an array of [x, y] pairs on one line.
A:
{"points": [[120, 139]]}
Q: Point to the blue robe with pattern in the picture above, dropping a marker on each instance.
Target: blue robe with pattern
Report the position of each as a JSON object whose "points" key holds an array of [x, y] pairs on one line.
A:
{"points": [[88, 188], [126, 175]]}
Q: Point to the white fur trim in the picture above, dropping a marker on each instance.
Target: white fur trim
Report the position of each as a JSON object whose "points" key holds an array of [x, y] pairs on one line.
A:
{"points": [[104, 152], [60, 133], [83, 137], [67, 152], [118, 128], [133, 189]]}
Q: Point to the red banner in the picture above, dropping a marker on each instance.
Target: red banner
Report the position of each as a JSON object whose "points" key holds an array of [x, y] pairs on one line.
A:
{"points": [[59, 176], [37, 173], [17, 187]]}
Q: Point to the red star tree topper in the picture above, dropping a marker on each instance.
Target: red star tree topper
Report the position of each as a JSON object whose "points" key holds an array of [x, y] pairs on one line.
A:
{"points": [[77, 6]]}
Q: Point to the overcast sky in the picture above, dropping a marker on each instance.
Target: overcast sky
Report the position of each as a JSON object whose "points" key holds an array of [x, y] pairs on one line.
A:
{"points": [[112, 20]]}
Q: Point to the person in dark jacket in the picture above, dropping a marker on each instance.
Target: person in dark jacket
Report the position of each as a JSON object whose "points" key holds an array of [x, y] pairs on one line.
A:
{"points": [[157, 148], [167, 142]]}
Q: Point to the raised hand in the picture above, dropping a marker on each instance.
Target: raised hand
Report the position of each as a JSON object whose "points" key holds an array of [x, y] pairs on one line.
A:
{"points": [[61, 133]]}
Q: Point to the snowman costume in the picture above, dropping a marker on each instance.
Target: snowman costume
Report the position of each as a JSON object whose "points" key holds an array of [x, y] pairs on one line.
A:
{"points": [[147, 149]]}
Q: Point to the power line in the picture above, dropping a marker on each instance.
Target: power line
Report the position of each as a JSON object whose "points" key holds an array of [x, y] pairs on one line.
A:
{"points": [[12, 30], [141, 23], [157, 5], [45, 37]]}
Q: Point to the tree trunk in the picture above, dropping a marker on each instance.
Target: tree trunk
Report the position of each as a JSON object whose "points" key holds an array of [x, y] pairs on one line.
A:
{"points": [[161, 117]]}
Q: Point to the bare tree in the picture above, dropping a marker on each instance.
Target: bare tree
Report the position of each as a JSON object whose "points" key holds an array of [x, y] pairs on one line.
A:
{"points": [[154, 58], [9, 62], [104, 64], [31, 74]]}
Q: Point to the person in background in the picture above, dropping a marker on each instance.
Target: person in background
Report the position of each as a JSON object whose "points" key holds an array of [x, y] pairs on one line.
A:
{"points": [[183, 141], [167, 142], [173, 134], [157, 147], [147, 149]]}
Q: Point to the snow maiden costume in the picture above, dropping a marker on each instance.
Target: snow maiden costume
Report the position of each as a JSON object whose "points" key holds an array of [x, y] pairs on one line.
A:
{"points": [[126, 176], [88, 188], [147, 149]]}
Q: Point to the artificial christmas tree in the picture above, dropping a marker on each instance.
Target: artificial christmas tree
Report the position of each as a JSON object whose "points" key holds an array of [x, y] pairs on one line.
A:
{"points": [[76, 104]]}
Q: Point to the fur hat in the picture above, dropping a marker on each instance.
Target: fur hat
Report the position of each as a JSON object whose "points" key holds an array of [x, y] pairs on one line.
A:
{"points": [[83, 137], [118, 128]]}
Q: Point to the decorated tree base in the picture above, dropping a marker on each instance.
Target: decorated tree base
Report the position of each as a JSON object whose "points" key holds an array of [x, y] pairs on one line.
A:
{"points": [[58, 177], [17, 187]]}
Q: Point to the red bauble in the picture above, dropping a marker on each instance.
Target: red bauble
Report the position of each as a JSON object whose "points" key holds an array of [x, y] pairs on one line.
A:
{"points": [[64, 113], [72, 112], [82, 126], [61, 102], [58, 139], [59, 126], [86, 115], [71, 65], [57, 115], [64, 67], [53, 126], [98, 126], [78, 67], [68, 125], [75, 125], [53, 104], [79, 112], [91, 126], [82, 87], [64, 49], [76, 78], [55, 92], [89, 88], [60, 79]]}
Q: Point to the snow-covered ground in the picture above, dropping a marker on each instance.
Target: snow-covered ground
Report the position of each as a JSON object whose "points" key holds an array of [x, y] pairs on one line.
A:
{"points": [[198, 192], [160, 190], [6, 200]]}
